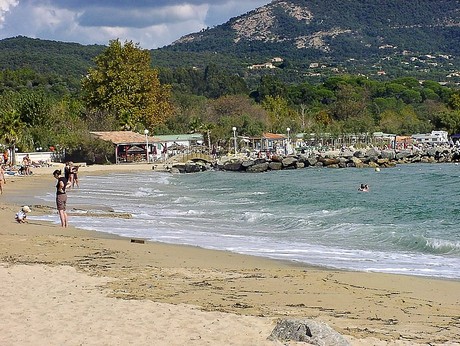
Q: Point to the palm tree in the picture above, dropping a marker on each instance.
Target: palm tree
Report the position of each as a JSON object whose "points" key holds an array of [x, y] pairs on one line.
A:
{"points": [[11, 128]]}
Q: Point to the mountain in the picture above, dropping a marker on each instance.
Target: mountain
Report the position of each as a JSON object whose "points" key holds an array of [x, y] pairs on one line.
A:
{"points": [[295, 40], [389, 38]]}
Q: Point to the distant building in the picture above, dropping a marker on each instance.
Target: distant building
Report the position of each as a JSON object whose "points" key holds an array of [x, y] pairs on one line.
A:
{"points": [[268, 65], [437, 137], [186, 140]]}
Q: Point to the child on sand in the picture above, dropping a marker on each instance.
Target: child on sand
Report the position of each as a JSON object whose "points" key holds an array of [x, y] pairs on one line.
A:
{"points": [[21, 215]]}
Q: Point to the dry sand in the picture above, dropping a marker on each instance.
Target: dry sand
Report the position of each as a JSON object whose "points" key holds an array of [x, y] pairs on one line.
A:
{"points": [[73, 287]]}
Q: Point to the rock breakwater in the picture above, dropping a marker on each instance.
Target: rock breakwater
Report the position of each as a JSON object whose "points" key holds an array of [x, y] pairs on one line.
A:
{"points": [[370, 158], [358, 158]]}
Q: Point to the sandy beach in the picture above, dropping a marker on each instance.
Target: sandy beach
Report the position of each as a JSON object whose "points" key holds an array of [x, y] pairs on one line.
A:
{"points": [[74, 287]]}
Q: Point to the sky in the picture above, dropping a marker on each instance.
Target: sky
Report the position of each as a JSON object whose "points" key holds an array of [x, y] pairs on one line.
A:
{"points": [[151, 23]]}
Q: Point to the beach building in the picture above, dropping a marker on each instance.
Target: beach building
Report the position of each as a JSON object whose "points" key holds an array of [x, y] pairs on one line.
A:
{"points": [[268, 142], [310, 140], [273, 141], [435, 137], [175, 144], [187, 140], [382, 139], [129, 146]]}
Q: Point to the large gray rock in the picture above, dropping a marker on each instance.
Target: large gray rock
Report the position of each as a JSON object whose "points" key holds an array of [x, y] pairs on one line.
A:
{"points": [[180, 167], [259, 161], [304, 330], [388, 154], [343, 161], [232, 166], [247, 163], [433, 151], [289, 161], [347, 153], [373, 154], [312, 161], [332, 154], [261, 167], [193, 168], [402, 154], [357, 162], [358, 153], [275, 166], [329, 161]]}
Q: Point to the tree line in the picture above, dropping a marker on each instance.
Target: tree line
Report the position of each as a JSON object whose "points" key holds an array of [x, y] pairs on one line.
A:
{"points": [[123, 92]]}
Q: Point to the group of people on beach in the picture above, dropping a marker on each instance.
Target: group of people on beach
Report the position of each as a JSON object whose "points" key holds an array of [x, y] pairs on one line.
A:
{"points": [[64, 182], [25, 167]]}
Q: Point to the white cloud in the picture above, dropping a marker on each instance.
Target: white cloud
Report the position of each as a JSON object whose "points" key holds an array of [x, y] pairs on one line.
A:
{"points": [[153, 23], [5, 6]]}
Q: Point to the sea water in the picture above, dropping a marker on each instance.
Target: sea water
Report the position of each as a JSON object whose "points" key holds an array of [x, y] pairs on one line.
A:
{"points": [[406, 224]]}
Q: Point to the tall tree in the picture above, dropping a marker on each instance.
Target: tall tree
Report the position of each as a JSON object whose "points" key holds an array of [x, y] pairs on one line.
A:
{"points": [[124, 85], [11, 125]]}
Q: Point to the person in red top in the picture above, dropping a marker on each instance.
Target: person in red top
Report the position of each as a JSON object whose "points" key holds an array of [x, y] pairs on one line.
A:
{"points": [[5, 157]]}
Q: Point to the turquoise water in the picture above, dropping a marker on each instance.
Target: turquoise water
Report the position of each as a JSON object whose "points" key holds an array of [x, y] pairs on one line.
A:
{"points": [[407, 223]]}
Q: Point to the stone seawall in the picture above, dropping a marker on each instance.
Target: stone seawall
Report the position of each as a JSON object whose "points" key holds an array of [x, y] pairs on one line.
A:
{"points": [[373, 158]]}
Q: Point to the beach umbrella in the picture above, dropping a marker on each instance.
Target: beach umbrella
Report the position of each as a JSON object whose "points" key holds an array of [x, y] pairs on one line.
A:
{"points": [[135, 149]]}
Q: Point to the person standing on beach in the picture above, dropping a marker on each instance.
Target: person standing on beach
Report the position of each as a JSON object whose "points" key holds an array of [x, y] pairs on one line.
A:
{"points": [[2, 179], [68, 172], [61, 197], [5, 157], [74, 175]]}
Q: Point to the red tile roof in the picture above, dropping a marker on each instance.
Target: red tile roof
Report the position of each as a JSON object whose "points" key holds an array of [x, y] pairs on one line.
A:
{"points": [[268, 135], [124, 137]]}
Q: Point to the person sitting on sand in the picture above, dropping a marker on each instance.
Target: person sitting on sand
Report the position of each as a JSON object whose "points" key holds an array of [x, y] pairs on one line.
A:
{"points": [[21, 215]]}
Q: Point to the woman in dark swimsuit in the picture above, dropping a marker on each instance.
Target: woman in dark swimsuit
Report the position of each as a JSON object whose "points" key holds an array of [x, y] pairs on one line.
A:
{"points": [[61, 197]]}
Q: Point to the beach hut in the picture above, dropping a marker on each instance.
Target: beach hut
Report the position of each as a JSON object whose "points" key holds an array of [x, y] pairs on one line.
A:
{"points": [[129, 146]]}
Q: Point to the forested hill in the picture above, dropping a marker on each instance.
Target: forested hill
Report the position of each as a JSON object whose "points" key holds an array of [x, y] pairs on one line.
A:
{"points": [[69, 60], [394, 37]]}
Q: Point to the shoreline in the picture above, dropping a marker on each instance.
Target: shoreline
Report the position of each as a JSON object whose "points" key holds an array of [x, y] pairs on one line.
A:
{"points": [[368, 308]]}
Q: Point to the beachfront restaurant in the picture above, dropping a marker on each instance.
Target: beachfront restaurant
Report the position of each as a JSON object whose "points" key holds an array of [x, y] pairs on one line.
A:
{"points": [[129, 146]]}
